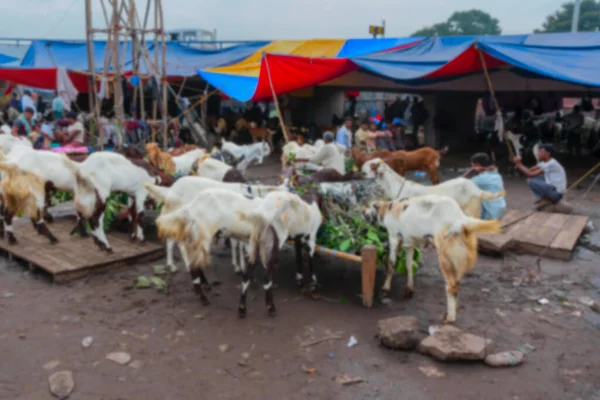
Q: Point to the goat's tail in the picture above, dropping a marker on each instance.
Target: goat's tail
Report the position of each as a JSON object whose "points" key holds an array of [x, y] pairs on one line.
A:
{"points": [[491, 196], [199, 161], [475, 225], [9, 168], [159, 193], [260, 225], [82, 180], [180, 226]]}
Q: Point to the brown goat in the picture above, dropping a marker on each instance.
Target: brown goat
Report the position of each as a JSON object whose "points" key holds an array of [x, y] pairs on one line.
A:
{"points": [[425, 158]]}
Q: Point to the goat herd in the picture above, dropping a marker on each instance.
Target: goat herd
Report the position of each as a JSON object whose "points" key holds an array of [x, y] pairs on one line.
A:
{"points": [[215, 201]]}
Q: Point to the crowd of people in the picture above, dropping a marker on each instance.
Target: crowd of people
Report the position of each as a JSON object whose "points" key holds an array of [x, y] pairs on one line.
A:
{"points": [[29, 117]]}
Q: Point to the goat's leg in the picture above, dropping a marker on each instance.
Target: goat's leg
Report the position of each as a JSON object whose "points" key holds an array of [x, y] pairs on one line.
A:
{"points": [[246, 279], [99, 234], [133, 219], [268, 286], [389, 270], [410, 284], [80, 226], [8, 228], [40, 226], [140, 199], [452, 286], [171, 267], [234, 257], [197, 279], [298, 253], [432, 169], [243, 251], [183, 252], [313, 277], [48, 191], [1, 219]]}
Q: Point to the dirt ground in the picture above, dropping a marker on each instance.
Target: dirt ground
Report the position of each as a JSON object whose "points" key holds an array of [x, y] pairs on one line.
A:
{"points": [[178, 340]]}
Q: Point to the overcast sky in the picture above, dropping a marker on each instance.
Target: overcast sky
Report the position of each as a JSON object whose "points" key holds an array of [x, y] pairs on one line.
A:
{"points": [[274, 19]]}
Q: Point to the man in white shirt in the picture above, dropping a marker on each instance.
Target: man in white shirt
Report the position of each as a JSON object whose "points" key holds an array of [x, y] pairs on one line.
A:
{"points": [[75, 134], [328, 155], [29, 100], [547, 180]]}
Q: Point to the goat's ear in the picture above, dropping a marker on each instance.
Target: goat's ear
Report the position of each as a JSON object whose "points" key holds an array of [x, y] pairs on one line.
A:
{"points": [[374, 167]]}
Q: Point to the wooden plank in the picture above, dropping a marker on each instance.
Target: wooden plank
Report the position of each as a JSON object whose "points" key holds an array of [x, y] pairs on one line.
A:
{"points": [[514, 216], [495, 242], [73, 256], [569, 234]]}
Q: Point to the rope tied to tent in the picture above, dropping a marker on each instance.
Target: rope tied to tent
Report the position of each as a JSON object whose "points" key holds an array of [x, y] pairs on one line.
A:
{"points": [[493, 94], [279, 116]]}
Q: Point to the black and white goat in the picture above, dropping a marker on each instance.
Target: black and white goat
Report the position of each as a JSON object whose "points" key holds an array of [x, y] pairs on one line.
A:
{"points": [[101, 174], [195, 224]]}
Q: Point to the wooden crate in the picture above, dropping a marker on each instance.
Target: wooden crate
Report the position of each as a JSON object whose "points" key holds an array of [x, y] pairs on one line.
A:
{"points": [[74, 257], [532, 232]]}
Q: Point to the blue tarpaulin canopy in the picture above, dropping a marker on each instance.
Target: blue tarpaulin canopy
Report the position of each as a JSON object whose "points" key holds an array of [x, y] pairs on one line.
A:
{"points": [[182, 60]]}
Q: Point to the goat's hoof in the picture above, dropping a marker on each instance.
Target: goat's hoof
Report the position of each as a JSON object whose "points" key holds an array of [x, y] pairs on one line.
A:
{"points": [[53, 240], [204, 300], [207, 287], [12, 240], [108, 250], [272, 311], [48, 218], [242, 311], [83, 234], [408, 293], [448, 321], [384, 293]]}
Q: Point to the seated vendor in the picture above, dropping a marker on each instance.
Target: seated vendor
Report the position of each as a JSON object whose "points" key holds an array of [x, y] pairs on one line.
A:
{"points": [[74, 136], [328, 156], [46, 131], [24, 125], [487, 179], [547, 180]]}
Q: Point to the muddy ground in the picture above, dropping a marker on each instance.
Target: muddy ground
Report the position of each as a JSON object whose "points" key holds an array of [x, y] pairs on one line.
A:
{"points": [[178, 340]]}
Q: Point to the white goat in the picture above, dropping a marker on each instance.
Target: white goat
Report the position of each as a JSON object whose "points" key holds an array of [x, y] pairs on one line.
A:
{"points": [[247, 153], [185, 162], [208, 167], [187, 189], [196, 223], [464, 191], [23, 163], [8, 142], [290, 217], [433, 218], [96, 178]]}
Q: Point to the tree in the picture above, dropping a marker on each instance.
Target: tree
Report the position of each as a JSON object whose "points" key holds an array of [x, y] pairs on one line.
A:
{"points": [[560, 21], [471, 22]]}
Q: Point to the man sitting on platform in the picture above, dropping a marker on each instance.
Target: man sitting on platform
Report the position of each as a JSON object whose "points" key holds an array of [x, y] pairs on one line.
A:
{"points": [[75, 133], [548, 179], [488, 179], [328, 156]]}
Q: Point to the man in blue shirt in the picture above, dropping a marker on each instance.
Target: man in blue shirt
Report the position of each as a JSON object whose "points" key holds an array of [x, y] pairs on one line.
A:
{"points": [[489, 180], [344, 134]]}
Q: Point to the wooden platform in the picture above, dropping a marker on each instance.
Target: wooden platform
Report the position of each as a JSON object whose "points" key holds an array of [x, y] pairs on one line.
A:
{"points": [[530, 232], [74, 257]]}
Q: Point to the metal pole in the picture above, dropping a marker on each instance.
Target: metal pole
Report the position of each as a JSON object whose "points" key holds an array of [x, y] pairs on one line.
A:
{"points": [[383, 26], [576, 10]]}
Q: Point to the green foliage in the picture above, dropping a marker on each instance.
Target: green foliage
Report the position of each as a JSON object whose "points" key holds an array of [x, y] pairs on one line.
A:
{"points": [[350, 164], [349, 234], [61, 197], [471, 22], [115, 203], [561, 20]]}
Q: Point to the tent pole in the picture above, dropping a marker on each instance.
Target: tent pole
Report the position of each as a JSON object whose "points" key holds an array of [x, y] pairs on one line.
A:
{"points": [[94, 104], [155, 100], [279, 116], [493, 94], [165, 103], [118, 87]]}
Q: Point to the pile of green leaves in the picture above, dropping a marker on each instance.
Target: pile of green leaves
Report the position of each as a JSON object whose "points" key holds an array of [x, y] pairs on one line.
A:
{"points": [[349, 232]]}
